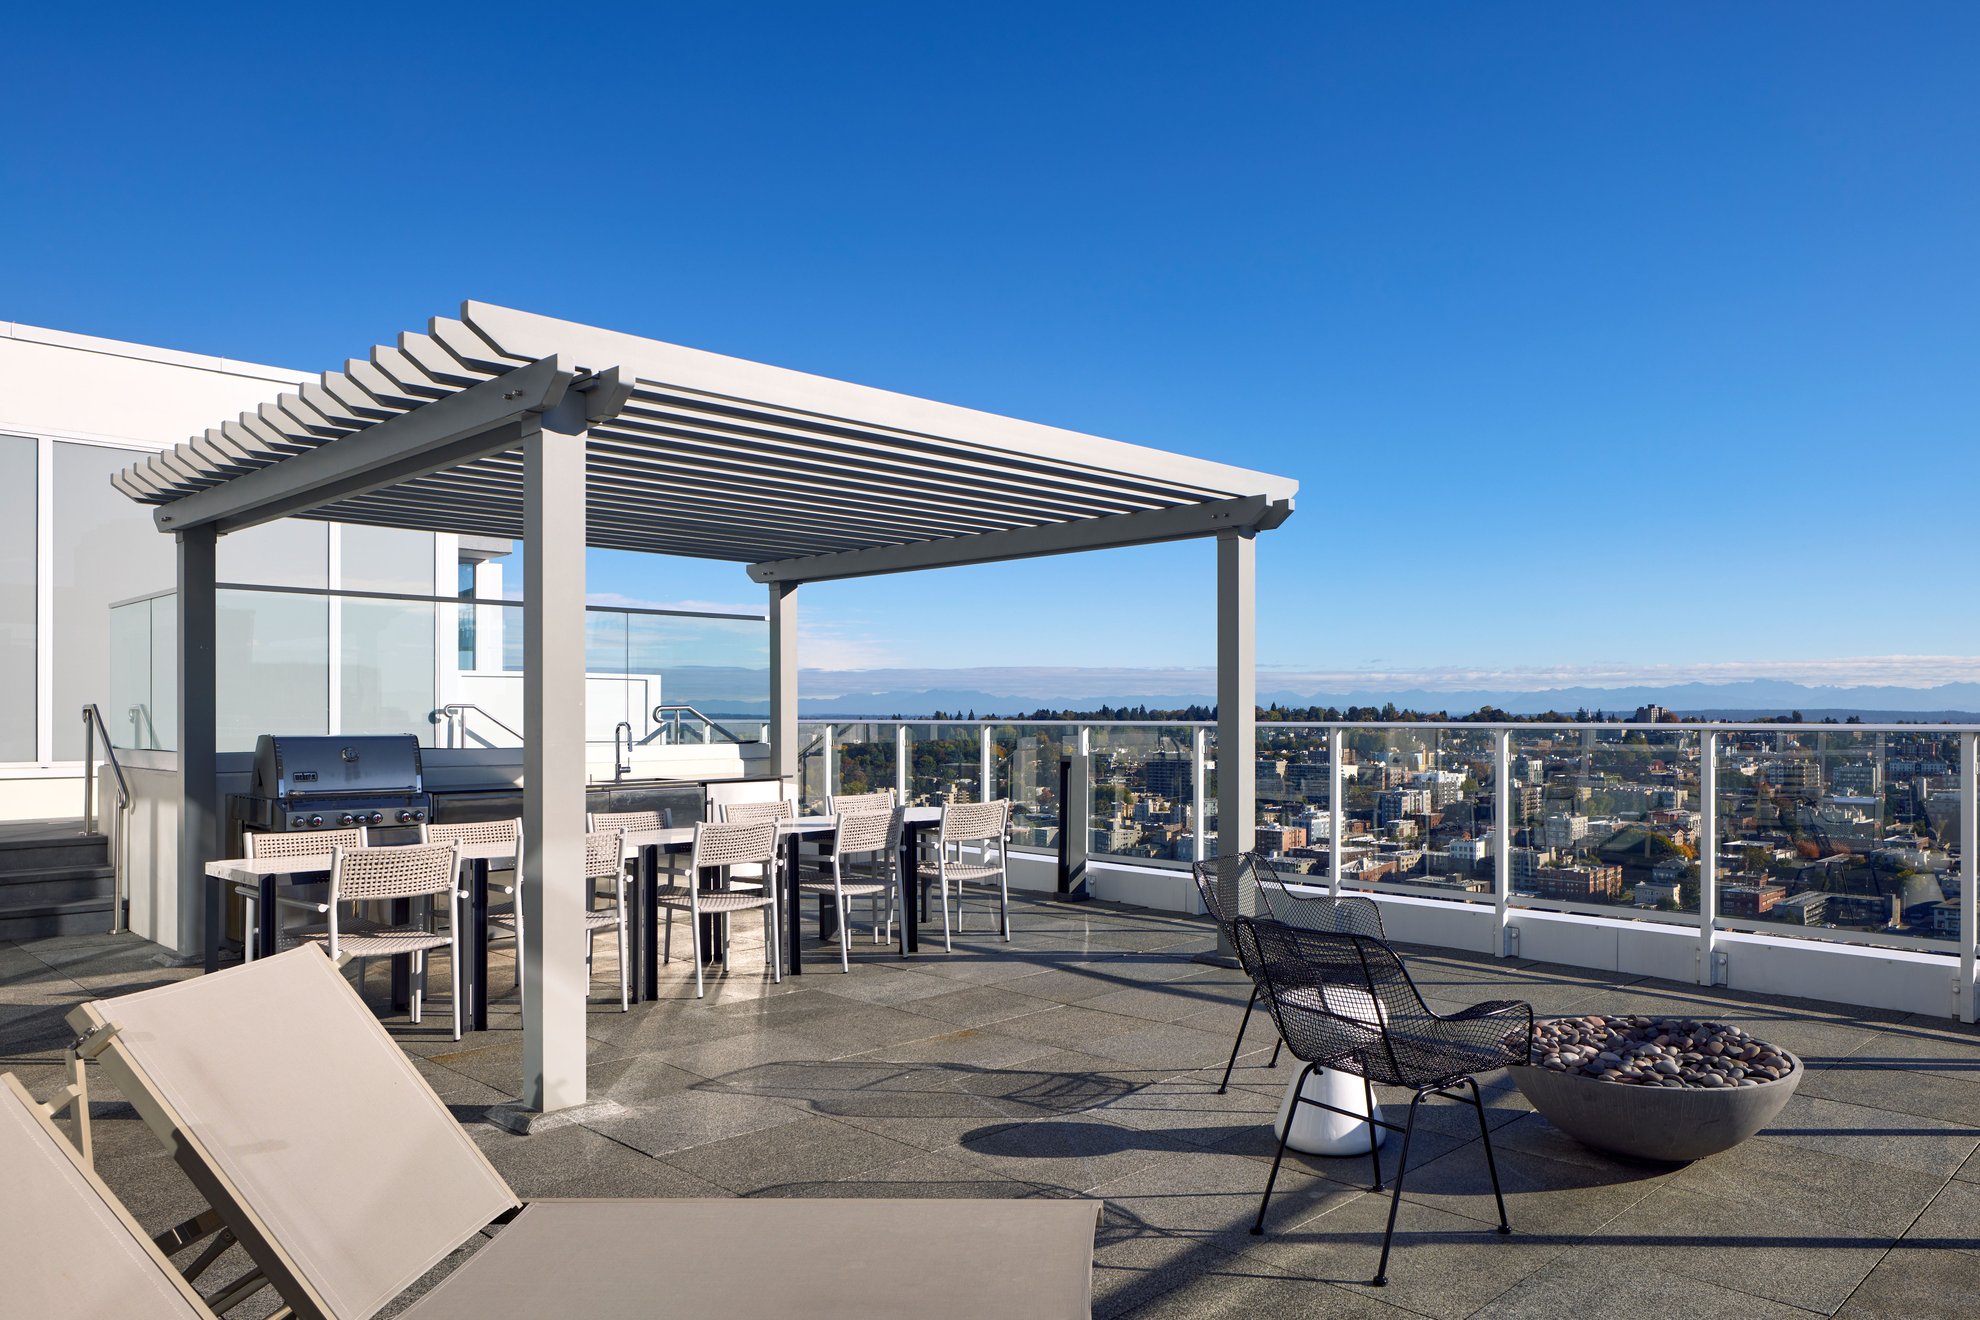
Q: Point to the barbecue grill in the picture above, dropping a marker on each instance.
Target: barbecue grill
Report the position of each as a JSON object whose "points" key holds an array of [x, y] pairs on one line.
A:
{"points": [[316, 783]]}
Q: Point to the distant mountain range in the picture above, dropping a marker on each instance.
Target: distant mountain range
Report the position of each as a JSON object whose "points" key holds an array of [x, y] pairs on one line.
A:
{"points": [[918, 693]]}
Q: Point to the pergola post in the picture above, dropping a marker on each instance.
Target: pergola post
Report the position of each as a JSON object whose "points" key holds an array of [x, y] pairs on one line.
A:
{"points": [[553, 889], [783, 680], [199, 911], [1237, 704]]}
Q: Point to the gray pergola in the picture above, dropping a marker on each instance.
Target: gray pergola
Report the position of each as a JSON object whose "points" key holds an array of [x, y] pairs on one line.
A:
{"points": [[508, 424]]}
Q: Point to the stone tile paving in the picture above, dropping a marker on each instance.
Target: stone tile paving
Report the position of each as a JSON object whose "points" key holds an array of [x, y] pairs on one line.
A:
{"points": [[1082, 1059]]}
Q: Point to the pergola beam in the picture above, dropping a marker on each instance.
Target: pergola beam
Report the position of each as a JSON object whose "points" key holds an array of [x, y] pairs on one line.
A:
{"points": [[1251, 513], [487, 418]]}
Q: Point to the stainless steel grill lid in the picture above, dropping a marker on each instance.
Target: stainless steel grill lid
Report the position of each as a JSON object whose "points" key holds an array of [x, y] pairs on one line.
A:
{"points": [[291, 768]]}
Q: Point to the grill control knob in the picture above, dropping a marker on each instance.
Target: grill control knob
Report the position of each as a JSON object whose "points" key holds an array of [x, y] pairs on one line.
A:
{"points": [[419, 815], [316, 822], [377, 818], [405, 818], [346, 819]]}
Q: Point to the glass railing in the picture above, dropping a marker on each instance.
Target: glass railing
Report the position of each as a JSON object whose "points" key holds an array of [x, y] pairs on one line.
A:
{"points": [[1835, 832], [447, 671]]}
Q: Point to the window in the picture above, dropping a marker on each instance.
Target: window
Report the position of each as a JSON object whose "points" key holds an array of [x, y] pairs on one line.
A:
{"points": [[18, 530]]}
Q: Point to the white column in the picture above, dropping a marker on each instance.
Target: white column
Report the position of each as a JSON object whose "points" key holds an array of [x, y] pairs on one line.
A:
{"points": [[1237, 696], [828, 755], [901, 748], [1969, 869], [783, 681], [1708, 858], [199, 790], [553, 897]]}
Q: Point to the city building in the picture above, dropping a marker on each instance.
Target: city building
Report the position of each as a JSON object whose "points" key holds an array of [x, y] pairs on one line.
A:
{"points": [[1564, 831], [1584, 883], [1749, 900], [1400, 803], [1277, 839], [1804, 909]]}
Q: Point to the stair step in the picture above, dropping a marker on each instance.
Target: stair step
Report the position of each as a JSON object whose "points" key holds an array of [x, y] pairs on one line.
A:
{"points": [[61, 850], [56, 884], [39, 921]]}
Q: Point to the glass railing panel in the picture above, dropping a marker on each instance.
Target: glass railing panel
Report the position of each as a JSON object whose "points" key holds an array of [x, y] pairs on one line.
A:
{"points": [[1144, 791], [1291, 781], [1417, 807], [814, 766], [865, 751], [1607, 821], [1026, 770], [1853, 835], [129, 712], [718, 666], [945, 763], [272, 655]]}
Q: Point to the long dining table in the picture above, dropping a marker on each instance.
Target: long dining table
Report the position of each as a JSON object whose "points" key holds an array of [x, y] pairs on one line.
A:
{"points": [[645, 848]]}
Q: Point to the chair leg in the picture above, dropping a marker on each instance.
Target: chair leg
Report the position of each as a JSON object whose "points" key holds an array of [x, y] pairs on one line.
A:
{"points": [[1491, 1165], [694, 940], [1374, 1142], [948, 944], [667, 939], [773, 944], [1277, 1045], [625, 977], [1395, 1198], [1285, 1134], [1004, 899], [1243, 1022], [418, 978], [454, 972]]}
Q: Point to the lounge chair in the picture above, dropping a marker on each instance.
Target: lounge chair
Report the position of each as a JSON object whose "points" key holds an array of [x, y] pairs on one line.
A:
{"points": [[326, 1154], [72, 1248]]}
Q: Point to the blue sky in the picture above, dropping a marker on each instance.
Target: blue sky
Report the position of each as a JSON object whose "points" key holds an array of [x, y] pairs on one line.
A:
{"points": [[1598, 336]]}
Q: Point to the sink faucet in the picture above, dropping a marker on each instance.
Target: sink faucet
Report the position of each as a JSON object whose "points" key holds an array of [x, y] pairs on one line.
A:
{"points": [[622, 767]]}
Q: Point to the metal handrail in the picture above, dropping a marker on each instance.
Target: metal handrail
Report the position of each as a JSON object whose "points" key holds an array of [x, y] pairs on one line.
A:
{"points": [[93, 724], [663, 714], [456, 712]]}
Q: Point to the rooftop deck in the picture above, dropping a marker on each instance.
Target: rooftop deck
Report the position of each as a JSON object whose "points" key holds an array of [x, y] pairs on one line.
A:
{"points": [[1082, 1059]]}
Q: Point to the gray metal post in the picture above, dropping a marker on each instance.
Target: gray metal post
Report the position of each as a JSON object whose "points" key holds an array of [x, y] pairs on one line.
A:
{"points": [[1336, 808], [553, 764], [1708, 858], [199, 789], [987, 770], [783, 681], [1237, 696], [1502, 800], [1969, 871]]}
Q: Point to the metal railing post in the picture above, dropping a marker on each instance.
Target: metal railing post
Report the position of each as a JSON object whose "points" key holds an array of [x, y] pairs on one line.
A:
{"points": [[89, 773], [1708, 858], [901, 745], [828, 757], [1969, 872], [1502, 800], [1199, 828], [987, 771], [1336, 814]]}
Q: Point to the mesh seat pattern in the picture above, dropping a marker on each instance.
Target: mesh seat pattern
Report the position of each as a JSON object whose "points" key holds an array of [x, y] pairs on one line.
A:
{"points": [[302, 843]]}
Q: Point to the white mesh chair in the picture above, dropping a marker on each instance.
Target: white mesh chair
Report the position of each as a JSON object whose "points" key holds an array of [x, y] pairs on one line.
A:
{"points": [[869, 834], [364, 875], [751, 794], [750, 876], [604, 859], [269, 844], [982, 824], [629, 820], [718, 846], [322, 1149]]}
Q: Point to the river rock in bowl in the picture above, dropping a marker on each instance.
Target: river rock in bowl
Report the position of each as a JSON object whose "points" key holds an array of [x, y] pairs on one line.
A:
{"points": [[1658, 1088]]}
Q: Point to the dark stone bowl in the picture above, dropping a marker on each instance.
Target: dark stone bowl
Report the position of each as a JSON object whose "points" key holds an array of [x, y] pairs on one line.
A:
{"points": [[1674, 1124]]}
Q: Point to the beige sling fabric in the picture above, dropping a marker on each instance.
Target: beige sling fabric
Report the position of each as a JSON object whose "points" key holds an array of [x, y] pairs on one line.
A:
{"points": [[71, 1249], [313, 1121], [820, 1259]]}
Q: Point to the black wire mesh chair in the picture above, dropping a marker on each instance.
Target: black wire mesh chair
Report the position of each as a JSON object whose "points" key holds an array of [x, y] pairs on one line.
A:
{"points": [[1345, 1001], [1222, 889]]}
